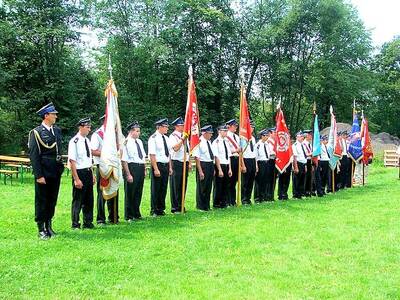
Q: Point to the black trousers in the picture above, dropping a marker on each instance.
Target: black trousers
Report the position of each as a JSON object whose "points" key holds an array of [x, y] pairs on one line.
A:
{"points": [[82, 199], [345, 171], [134, 191], [233, 180], [260, 186], [270, 178], [299, 181], [283, 183], [158, 188], [175, 185], [101, 213], [325, 172], [203, 187], [248, 180], [318, 180], [309, 178], [221, 188], [46, 199]]}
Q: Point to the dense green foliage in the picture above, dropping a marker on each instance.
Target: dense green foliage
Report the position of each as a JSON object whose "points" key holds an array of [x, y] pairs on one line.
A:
{"points": [[343, 246], [294, 51]]}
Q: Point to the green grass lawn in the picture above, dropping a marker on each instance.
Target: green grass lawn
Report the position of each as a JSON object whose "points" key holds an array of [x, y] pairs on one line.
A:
{"points": [[344, 246]]}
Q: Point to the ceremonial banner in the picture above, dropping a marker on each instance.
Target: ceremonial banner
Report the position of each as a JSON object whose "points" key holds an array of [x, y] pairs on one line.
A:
{"points": [[283, 145], [192, 117], [366, 141], [316, 139], [110, 162], [244, 120], [334, 147], [355, 148]]}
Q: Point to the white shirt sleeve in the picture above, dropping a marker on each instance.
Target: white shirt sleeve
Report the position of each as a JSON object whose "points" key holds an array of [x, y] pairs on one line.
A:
{"points": [[214, 148], [294, 150], [152, 145], [124, 153], [94, 141], [72, 155]]}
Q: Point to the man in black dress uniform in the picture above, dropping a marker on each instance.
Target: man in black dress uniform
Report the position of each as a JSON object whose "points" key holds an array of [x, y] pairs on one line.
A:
{"points": [[44, 152]]}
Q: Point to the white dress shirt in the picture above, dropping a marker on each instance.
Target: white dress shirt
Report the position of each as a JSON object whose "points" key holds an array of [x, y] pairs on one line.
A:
{"points": [[233, 142], [96, 142], [130, 152], [202, 151], [175, 138], [298, 152], [248, 153], [78, 153], [324, 153], [262, 151], [156, 147], [221, 150]]}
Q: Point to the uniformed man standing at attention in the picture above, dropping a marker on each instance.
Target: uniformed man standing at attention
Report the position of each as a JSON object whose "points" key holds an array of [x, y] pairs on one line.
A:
{"points": [[299, 166], [179, 144], [83, 179], [223, 169], [249, 169], [234, 147], [262, 159], [96, 142], [45, 154], [271, 171], [204, 169], [326, 184], [133, 163], [309, 176], [159, 152]]}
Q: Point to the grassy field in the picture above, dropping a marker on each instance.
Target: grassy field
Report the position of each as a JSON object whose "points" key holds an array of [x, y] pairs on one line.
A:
{"points": [[343, 246]]}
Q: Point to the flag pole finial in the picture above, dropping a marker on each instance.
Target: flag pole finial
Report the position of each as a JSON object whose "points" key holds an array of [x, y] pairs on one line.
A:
{"points": [[278, 107], [109, 66], [190, 71], [315, 107], [331, 109]]}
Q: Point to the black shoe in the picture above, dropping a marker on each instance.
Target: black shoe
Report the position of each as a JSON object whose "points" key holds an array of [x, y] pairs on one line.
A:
{"points": [[88, 226], [42, 232], [49, 229]]}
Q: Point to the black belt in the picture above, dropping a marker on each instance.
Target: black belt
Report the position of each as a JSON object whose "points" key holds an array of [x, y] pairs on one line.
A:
{"points": [[161, 163], [135, 164], [84, 169]]}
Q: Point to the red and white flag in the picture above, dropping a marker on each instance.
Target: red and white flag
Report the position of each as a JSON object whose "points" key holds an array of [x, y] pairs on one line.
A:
{"points": [[244, 120], [366, 141], [110, 162], [191, 128], [283, 145]]}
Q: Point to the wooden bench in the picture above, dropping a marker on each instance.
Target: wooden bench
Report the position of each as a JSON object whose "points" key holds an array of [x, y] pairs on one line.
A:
{"points": [[8, 174], [391, 158]]}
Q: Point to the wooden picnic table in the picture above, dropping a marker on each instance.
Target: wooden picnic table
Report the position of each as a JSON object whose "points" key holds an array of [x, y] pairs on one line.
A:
{"points": [[16, 162]]}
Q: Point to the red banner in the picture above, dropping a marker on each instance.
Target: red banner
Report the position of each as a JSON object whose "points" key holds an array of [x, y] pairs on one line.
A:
{"points": [[283, 144], [192, 118], [244, 123], [366, 142]]}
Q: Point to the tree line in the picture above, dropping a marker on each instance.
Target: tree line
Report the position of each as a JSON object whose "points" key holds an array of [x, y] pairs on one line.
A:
{"points": [[294, 51]]}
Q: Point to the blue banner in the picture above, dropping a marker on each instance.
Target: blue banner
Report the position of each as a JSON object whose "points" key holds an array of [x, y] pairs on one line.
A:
{"points": [[355, 148]]}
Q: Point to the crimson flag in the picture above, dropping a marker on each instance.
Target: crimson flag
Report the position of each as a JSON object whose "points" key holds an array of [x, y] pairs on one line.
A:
{"points": [[283, 144], [192, 118]]}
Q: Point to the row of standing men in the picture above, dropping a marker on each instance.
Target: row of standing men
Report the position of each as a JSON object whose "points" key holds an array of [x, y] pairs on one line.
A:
{"points": [[217, 165]]}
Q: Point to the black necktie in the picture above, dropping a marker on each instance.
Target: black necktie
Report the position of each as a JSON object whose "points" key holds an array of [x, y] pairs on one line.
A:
{"points": [[165, 146], [326, 149], [251, 146], [139, 151], [265, 150], [209, 150], [87, 148], [226, 151], [304, 152], [234, 137]]}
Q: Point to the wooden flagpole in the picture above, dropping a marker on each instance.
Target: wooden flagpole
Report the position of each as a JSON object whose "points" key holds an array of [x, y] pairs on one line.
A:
{"points": [[114, 198], [352, 162], [238, 194], [184, 148]]}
